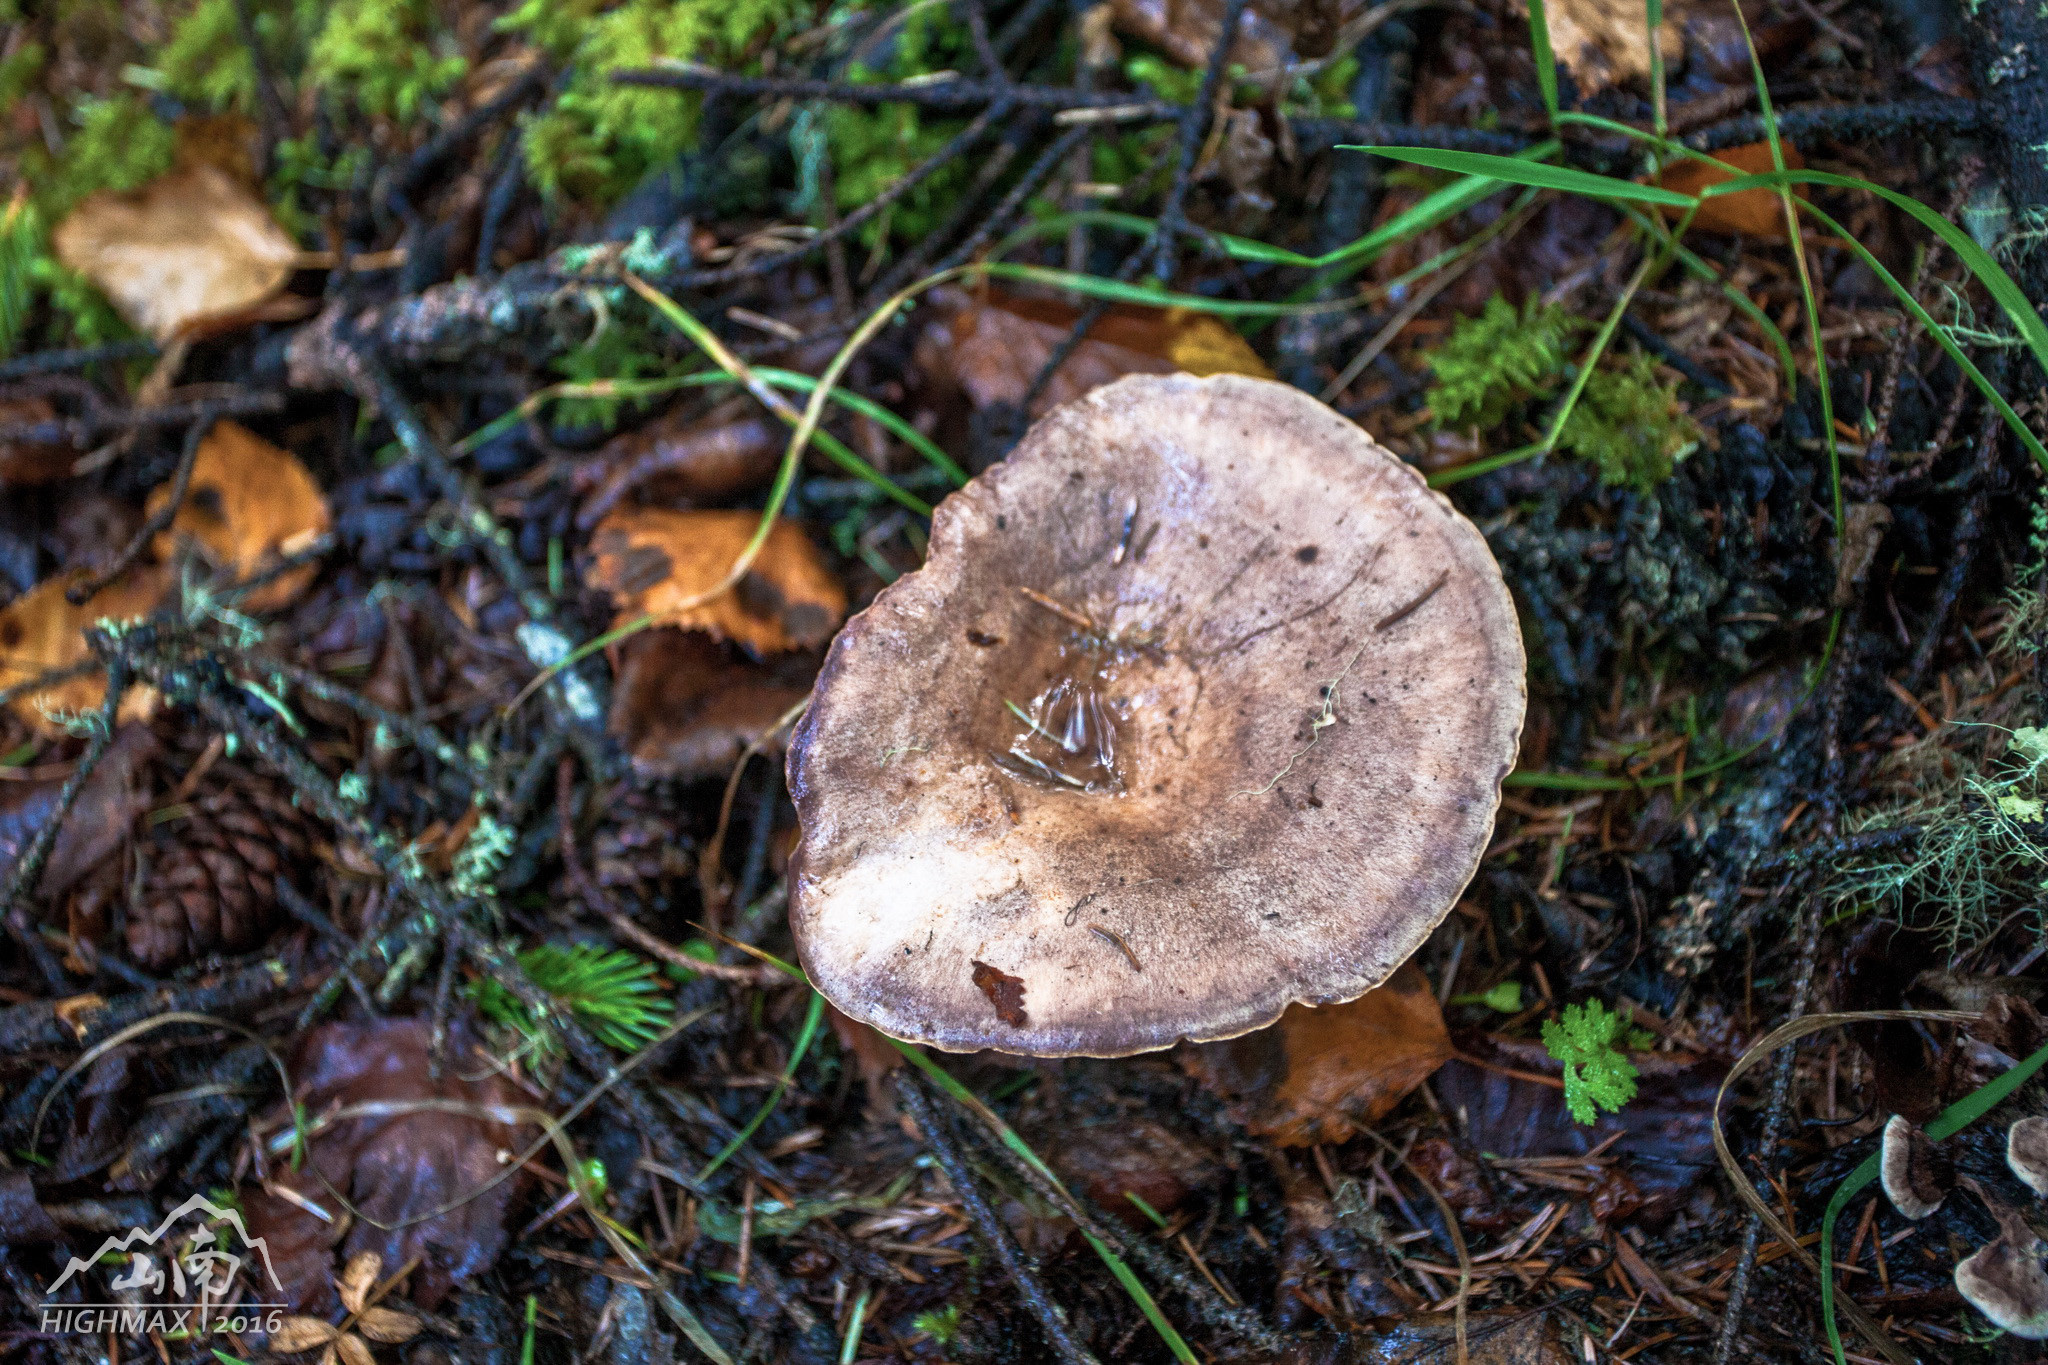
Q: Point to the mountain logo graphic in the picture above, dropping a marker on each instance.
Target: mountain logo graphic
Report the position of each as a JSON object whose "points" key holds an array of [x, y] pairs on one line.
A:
{"points": [[213, 1269]]}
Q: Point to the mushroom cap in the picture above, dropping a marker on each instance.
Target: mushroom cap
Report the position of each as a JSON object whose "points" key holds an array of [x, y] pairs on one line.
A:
{"points": [[2004, 1280], [1199, 708], [1908, 1169], [2026, 1152]]}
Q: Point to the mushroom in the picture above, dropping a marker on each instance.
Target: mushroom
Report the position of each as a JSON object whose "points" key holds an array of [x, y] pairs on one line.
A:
{"points": [[1914, 1176], [2004, 1280], [2026, 1152], [1199, 708]]}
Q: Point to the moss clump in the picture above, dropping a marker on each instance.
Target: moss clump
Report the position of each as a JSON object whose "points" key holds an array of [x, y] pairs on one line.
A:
{"points": [[599, 139], [1630, 425], [1626, 422], [1490, 365], [873, 149], [392, 55]]}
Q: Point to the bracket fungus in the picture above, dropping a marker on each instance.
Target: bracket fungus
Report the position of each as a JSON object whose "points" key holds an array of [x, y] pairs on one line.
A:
{"points": [[1199, 708]]}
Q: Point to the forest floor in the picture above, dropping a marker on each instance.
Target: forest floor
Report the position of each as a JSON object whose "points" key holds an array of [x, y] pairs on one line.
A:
{"points": [[394, 839]]}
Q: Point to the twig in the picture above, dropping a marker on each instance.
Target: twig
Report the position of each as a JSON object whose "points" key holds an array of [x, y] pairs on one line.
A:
{"points": [[955, 93], [28, 869], [1884, 120], [994, 1236], [83, 431], [55, 362], [157, 522], [422, 163], [1194, 126]]}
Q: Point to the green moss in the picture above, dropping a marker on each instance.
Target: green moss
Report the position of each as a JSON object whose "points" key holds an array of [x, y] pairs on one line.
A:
{"points": [[119, 144], [1627, 422], [300, 165], [1630, 425], [391, 55], [18, 72], [599, 139], [1490, 365], [873, 149]]}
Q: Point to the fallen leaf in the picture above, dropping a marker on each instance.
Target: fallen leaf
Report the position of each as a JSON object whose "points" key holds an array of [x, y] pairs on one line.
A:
{"points": [[1270, 36], [249, 505], [1755, 213], [1606, 42], [1004, 991], [30, 462], [395, 1167], [189, 247], [1131, 1156], [654, 562], [1320, 1074], [1665, 1140], [113, 795], [686, 706], [704, 459], [992, 345], [297, 1333], [41, 631]]}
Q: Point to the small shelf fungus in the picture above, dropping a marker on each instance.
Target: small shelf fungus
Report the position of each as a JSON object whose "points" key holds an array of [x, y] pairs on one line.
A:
{"points": [[1198, 709]]}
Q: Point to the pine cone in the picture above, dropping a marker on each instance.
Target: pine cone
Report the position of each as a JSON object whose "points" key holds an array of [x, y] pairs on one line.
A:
{"points": [[212, 883], [636, 850]]}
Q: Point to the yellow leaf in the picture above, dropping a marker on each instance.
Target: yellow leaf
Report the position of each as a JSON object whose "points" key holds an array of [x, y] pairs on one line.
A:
{"points": [[41, 631], [189, 246], [357, 1279], [655, 561], [249, 504], [297, 1334], [387, 1325]]}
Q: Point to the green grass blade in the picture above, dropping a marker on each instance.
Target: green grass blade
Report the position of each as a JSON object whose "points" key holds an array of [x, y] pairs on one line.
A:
{"points": [[813, 1017], [1008, 1136], [1948, 1123], [1546, 60], [1518, 171], [1115, 291], [2000, 285]]}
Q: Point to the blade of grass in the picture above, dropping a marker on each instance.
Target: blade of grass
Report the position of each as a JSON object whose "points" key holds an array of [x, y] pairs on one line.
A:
{"points": [[1517, 171], [813, 1016], [1132, 1285], [1546, 59]]}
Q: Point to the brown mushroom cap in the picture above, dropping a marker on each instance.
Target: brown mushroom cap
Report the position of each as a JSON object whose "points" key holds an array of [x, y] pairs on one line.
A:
{"points": [[2026, 1152], [1199, 708]]}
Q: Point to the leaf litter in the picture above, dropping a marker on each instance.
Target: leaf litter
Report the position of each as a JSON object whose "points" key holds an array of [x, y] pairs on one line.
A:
{"points": [[1765, 773]]}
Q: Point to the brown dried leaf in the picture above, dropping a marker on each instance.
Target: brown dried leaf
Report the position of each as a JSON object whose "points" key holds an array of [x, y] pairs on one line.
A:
{"points": [[189, 246], [41, 631], [699, 460], [394, 1168], [1004, 991], [388, 1326], [687, 706], [1606, 42], [1269, 36], [1755, 213], [249, 504], [357, 1279], [113, 795], [297, 1333], [656, 562], [1321, 1074], [354, 1350], [992, 345]]}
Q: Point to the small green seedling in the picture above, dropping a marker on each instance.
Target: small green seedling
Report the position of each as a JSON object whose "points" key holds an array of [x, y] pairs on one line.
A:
{"points": [[1590, 1040]]}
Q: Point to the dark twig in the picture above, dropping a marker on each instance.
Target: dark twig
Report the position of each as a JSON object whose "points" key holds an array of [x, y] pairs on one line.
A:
{"points": [[438, 148], [28, 869], [82, 431], [1090, 1219], [156, 523], [1896, 118], [954, 93], [954, 147], [277, 123], [1969, 527], [994, 1235], [55, 362], [1194, 127]]}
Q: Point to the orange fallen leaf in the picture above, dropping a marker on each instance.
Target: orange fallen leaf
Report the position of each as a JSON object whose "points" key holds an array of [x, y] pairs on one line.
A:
{"points": [[991, 346], [189, 246], [249, 505], [1321, 1074], [1754, 213], [655, 562], [41, 631]]}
